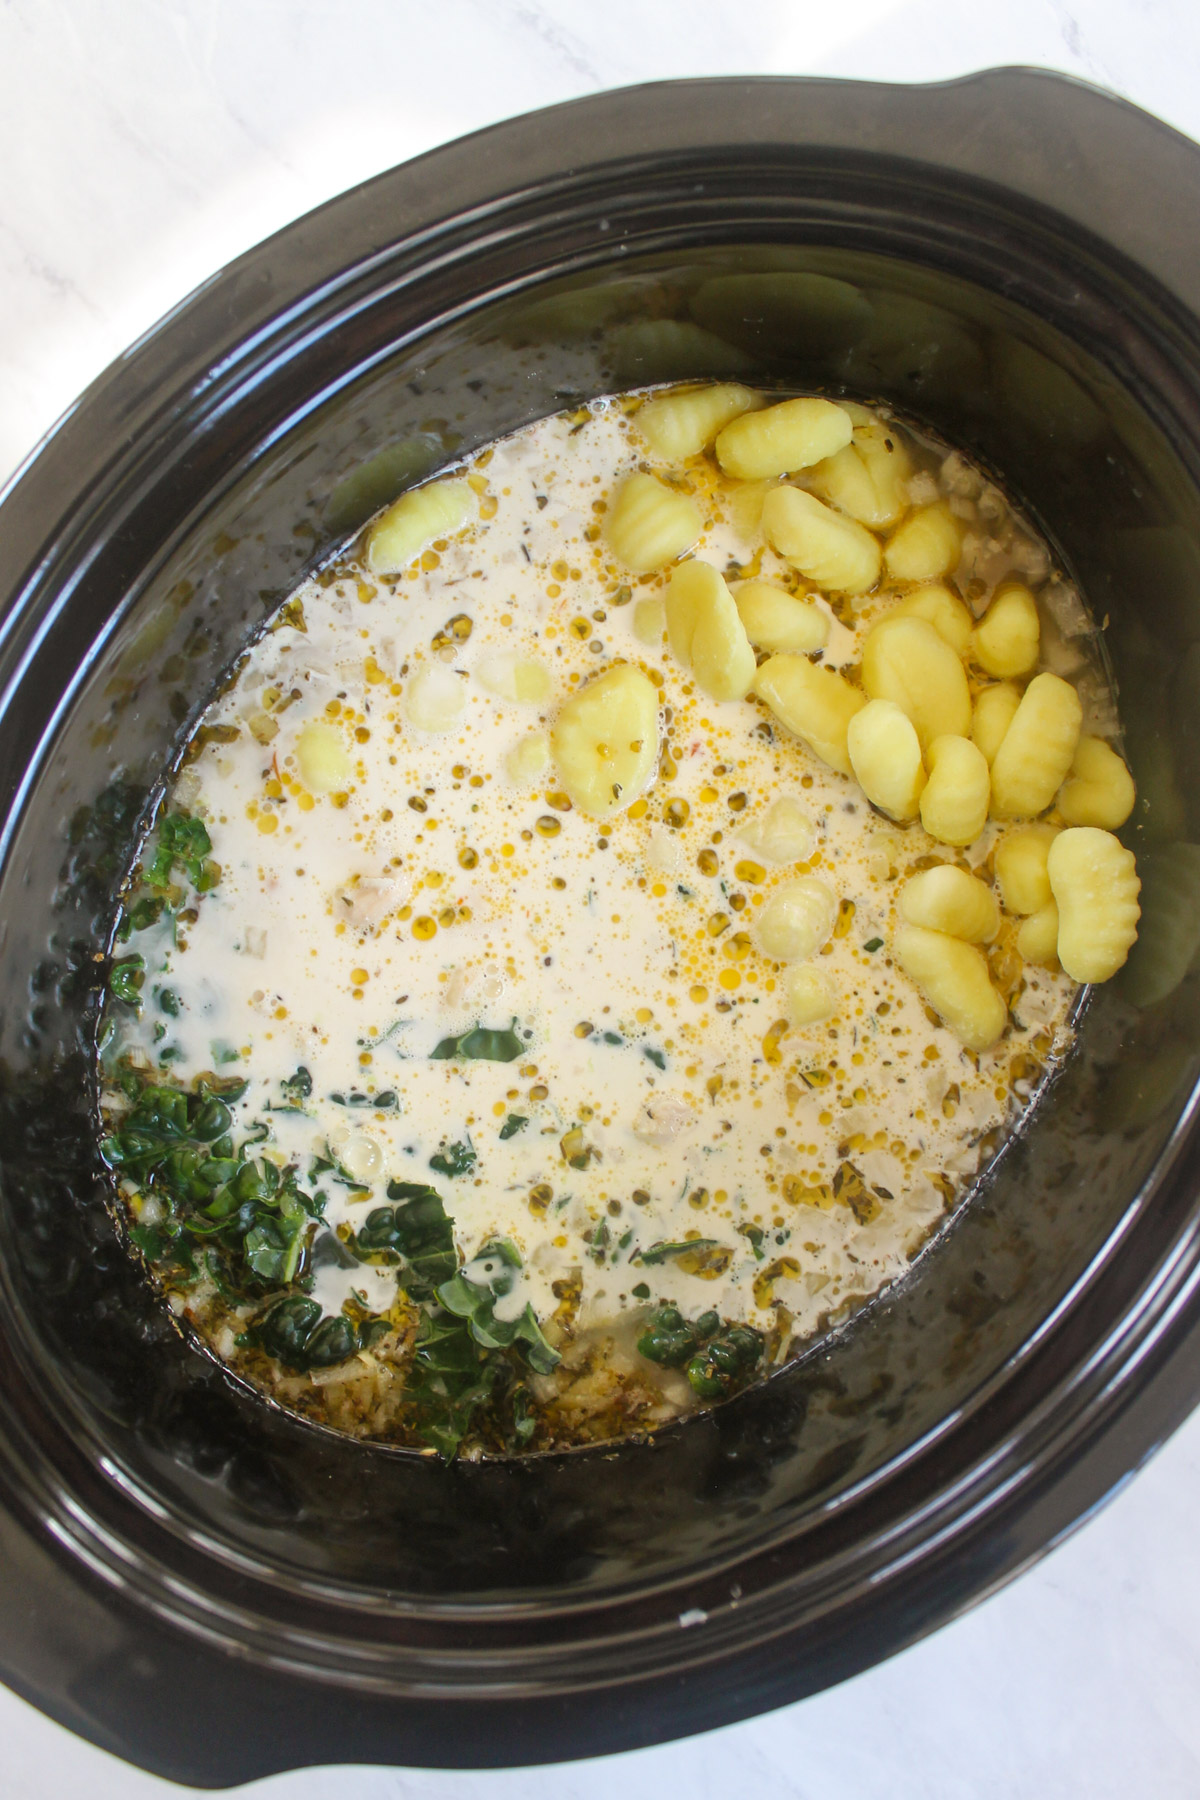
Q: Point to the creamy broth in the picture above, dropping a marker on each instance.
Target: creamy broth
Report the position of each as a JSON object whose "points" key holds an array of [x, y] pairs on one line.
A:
{"points": [[417, 962]]}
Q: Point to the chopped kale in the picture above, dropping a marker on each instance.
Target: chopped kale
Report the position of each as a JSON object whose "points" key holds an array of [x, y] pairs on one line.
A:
{"points": [[515, 1122], [657, 1057], [481, 1044], [454, 1159]]}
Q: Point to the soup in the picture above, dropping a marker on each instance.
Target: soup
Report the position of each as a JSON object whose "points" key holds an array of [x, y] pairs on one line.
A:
{"points": [[610, 919]]}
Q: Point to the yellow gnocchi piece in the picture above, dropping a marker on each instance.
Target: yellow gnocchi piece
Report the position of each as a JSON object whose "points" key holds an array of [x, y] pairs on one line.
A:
{"points": [[815, 703], [528, 759], [793, 435], [324, 762], [521, 679], [1095, 882], [1020, 865], [995, 710], [927, 545], [783, 834], [905, 660], [745, 505], [940, 607], [649, 524], [954, 801], [948, 899], [1037, 749], [865, 479], [952, 977], [679, 425], [412, 522], [1037, 939], [797, 920], [434, 698], [605, 740], [776, 620], [649, 622], [809, 995], [706, 631], [1008, 638], [835, 552], [885, 754], [1099, 790]]}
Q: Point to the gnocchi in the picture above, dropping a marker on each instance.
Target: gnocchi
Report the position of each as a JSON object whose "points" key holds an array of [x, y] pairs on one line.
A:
{"points": [[1020, 863], [605, 740], [940, 607], [1037, 749], [927, 545], [706, 631], [1037, 937], [783, 834], [885, 755], [776, 620], [792, 435], [1099, 790], [948, 899], [1008, 637], [809, 995], [866, 478], [954, 801], [434, 698], [411, 523], [797, 920], [325, 763], [828, 548], [906, 661], [1095, 885], [995, 709], [680, 425], [816, 704], [953, 977], [650, 524]]}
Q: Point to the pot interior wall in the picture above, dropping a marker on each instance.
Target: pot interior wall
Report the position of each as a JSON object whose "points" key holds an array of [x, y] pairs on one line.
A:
{"points": [[1094, 430]]}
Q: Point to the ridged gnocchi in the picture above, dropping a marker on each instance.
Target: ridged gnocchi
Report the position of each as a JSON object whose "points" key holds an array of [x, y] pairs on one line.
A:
{"points": [[816, 704], [1099, 790], [830, 549], [954, 800], [953, 978], [1095, 885], [680, 425], [906, 661], [605, 740], [411, 523], [1037, 750], [792, 435], [885, 755], [776, 620], [706, 631], [948, 899], [650, 524]]}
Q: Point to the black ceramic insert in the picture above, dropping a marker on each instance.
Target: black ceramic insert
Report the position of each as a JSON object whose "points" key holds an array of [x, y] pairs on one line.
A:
{"points": [[216, 1591]]}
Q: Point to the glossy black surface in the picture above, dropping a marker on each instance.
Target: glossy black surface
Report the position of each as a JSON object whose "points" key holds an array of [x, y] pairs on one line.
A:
{"points": [[969, 253]]}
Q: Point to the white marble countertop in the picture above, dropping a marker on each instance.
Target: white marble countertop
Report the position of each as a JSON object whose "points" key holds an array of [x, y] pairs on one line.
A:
{"points": [[145, 142]]}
